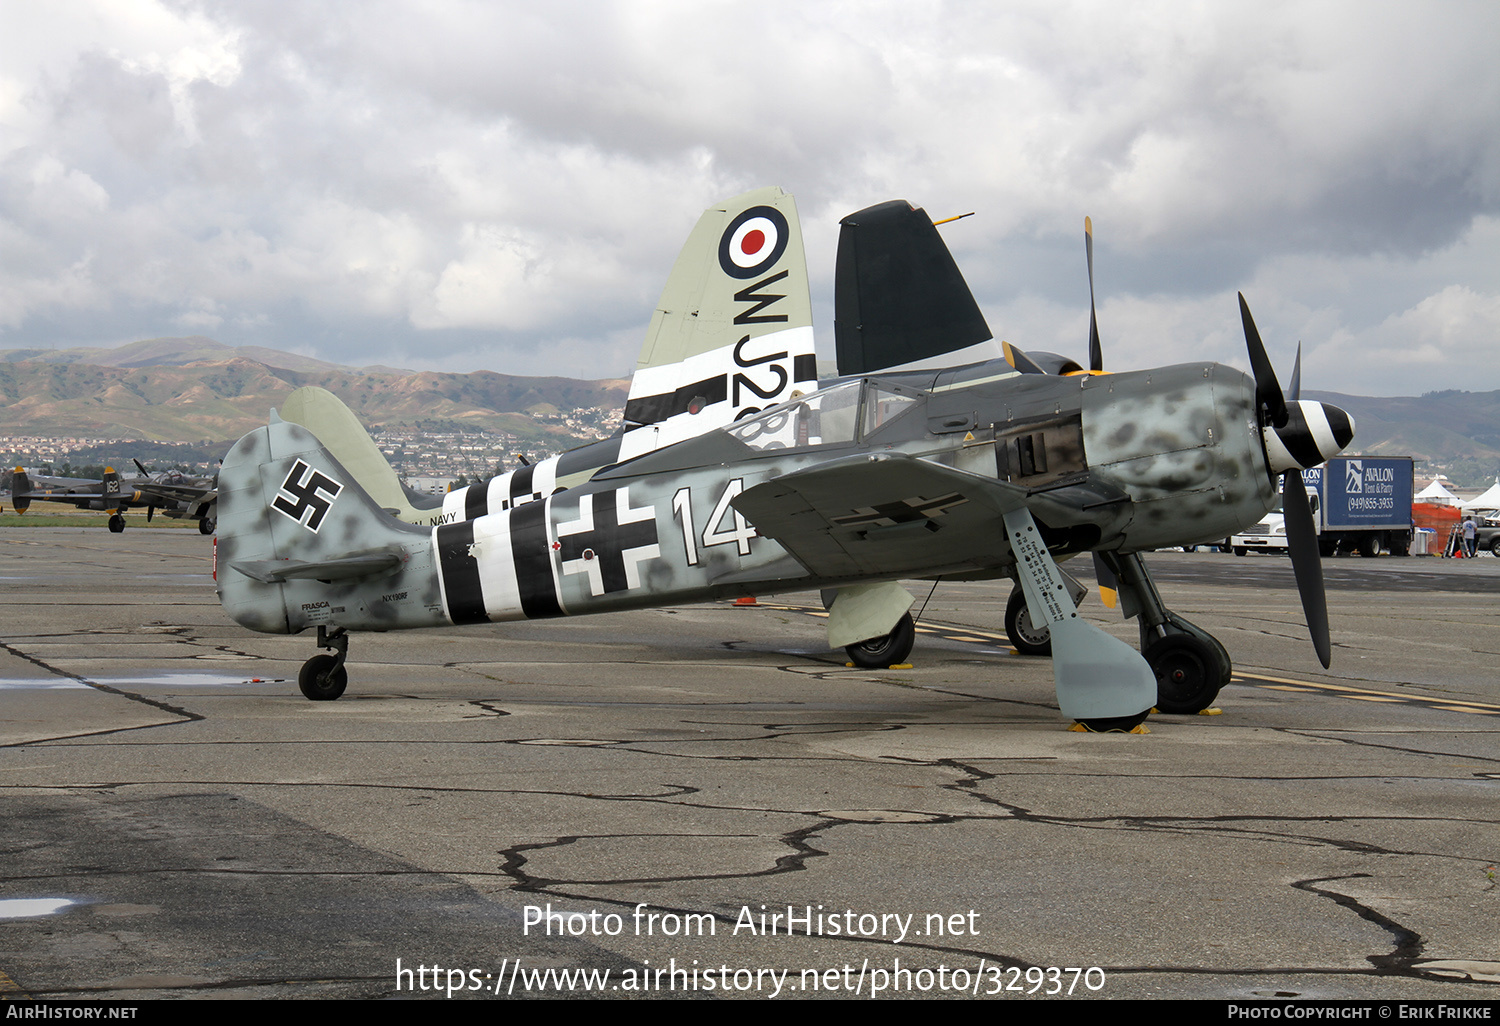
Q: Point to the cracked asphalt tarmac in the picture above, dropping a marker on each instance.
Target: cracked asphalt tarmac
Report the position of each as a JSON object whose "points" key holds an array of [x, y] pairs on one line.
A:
{"points": [[672, 784]]}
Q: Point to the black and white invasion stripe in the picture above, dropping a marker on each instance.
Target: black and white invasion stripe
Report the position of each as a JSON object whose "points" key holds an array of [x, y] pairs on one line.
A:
{"points": [[498, 567]]}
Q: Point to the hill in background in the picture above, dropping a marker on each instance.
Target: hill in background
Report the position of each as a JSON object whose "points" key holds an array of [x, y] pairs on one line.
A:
{"points": [[193, 389]]}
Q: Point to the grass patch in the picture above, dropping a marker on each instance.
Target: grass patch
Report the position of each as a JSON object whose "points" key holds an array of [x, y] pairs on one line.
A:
{"points": [[57, 514]]}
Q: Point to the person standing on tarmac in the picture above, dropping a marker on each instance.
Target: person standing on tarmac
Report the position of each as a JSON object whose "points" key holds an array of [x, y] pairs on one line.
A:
{"points": [[1470, 534]]}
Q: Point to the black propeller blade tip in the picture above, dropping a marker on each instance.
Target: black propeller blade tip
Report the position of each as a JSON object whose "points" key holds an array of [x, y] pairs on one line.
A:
{"points": [[1267, 389]]}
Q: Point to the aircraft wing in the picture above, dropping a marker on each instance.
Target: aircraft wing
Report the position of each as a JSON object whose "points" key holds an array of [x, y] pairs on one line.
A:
{"points": [[891, 514]]}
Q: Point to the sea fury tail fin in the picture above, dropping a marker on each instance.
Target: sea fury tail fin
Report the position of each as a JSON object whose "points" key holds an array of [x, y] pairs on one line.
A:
{"points": [[336, 426], [732, 333], [302, 545]]}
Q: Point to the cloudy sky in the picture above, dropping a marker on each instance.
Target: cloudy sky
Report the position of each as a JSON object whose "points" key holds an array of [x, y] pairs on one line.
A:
{"points": [[464, 185]]}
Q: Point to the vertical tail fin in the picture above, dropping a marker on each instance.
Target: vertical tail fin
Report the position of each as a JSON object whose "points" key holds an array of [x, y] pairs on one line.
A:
{"points": [[899, 299], [341, 433], [20, 490], [113, 491], [301, 544], [732, 333]]}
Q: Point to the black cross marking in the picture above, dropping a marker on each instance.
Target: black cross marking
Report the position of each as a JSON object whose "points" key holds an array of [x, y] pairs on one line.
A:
{"points": [[888, 514], [600, 545], [316, 493], [506, 504]]}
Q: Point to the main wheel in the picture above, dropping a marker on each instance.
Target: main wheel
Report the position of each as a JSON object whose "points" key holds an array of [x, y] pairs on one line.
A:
{"points": [[1027, 637], [205, 525], [1187, 673], [116, 523], [886, 650], [322, 678], [1239, 550]]}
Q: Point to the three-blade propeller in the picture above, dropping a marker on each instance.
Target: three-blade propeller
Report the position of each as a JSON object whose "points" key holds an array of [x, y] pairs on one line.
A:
{"points": [[1297, 435]]}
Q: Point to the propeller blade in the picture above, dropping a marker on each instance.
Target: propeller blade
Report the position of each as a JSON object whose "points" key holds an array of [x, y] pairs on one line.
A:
{"points": [[1109, 585], [1295, 391], [1307, 564], [1020, 361], [1267, 389], [1096, 352]]}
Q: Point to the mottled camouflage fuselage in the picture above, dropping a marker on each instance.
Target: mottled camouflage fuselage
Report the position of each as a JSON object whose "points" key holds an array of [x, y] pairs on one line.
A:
{"points": [[906, 478]]}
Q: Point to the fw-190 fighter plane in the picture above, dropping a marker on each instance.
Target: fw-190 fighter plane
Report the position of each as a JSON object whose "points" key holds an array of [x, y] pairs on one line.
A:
{"points": [[974, 472], [174, 494]]}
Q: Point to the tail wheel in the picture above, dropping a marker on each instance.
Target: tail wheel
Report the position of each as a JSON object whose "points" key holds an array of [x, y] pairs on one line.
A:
{"points": [[323, 678], [1187, 671], [886, 650], [1025, 636]]}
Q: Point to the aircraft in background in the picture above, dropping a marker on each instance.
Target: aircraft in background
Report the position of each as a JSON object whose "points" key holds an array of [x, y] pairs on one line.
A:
{"points": [[980, 471], [174, 494]]}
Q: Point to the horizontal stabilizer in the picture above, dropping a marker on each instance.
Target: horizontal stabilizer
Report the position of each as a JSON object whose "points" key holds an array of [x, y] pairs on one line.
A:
{"points": [[345, 568]]}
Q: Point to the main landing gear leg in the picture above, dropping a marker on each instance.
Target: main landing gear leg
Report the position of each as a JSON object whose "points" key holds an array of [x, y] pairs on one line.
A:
{"points": [[323, 677], [1190, 664], [1101, 682]]}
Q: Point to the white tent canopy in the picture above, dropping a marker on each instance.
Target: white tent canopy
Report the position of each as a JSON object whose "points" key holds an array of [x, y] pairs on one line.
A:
{"points": [[1489, 499], [1435, 492]]}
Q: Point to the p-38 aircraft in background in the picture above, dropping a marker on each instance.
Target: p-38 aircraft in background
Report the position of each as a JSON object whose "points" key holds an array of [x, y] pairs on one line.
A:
{"points": [[173, 494], [977, 471]]}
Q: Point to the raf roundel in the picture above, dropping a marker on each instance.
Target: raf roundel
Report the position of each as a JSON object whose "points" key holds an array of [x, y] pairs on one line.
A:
{"points": [[753, 242]]}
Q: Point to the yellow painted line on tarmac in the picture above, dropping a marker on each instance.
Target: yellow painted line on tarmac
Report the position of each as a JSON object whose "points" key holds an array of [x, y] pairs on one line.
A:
{"points": [[1256, 680], [1364, 694]]}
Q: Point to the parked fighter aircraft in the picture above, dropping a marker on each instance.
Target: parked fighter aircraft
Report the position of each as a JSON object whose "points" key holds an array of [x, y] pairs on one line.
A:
{"points": [[973, 472], [174, 494]]}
